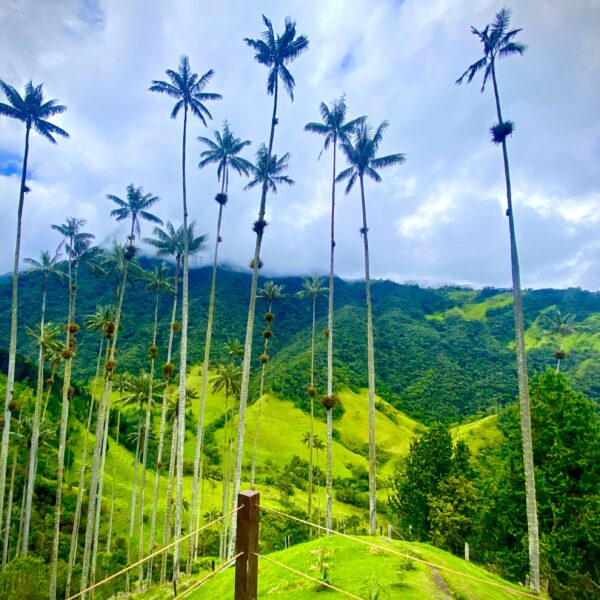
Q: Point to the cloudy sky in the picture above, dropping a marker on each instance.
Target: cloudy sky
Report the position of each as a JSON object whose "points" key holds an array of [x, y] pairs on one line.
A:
{"points": [[438, 218]]}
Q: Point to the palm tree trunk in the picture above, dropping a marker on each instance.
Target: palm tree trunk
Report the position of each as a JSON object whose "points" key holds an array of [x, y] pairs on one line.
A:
{"points": [[145, 449], [64, 418], [312, 408], [35, 433], [525, 412], [224, 491], [133, 500], [112, 496], [182, 365], [102, 410], [9, 510], [12, 349], [169, 505], [239, 451], [204, 382], [79, 502], [163, 419], [329, 515], [99, 499], [370, 372]]}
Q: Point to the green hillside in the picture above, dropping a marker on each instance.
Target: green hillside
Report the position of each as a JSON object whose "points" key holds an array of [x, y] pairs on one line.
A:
{"points": [[360, 569]]}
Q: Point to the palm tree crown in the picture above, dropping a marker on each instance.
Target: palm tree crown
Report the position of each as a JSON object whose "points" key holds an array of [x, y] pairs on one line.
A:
{"points": [[47, 265], [361, 153], [158, 280], [224, 153], [271, 292], [269, 171], [497, 42], [334, 126], [228, 379], [186, 87], [135, 207], [32, 109], [276, 51], [311, 288], [170, 241]]}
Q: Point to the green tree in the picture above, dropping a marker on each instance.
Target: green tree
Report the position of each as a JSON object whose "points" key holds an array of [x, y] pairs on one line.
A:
{"points": [[312, 288], [361, 153], [34, 111], [275, 52], [224, 153], [187, 89], [499, 42], [557, 324]]}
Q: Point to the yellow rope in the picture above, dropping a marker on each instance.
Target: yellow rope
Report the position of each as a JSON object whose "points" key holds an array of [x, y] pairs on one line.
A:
{"points": [[404, 555], [319, 581], [211, 574], [155, 553]]}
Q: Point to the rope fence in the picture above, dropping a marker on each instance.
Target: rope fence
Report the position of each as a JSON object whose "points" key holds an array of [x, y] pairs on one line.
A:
{"points": [[402, 555], [151, 555], [305, 576]]}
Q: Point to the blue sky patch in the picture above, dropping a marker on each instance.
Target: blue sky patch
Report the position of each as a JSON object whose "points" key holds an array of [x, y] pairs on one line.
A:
{"points": [[10, 164]]}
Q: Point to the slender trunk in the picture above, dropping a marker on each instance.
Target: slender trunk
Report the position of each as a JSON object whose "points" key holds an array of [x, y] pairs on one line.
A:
{"points": [[182, 366], [226, 471], [371, 372], [12, 349], [64, 419], [35, 433], [528, 465], [239, 451], [79, 502], [204, 382], [133, 499], [102, 409], [9, 510], [329, 515], [99, 500], [149, 403], [169, 505], [112, 496], [312, 407], [161, 436]]}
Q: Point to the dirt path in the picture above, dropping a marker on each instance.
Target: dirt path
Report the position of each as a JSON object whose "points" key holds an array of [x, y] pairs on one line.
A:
{"points": [[441, 584]]}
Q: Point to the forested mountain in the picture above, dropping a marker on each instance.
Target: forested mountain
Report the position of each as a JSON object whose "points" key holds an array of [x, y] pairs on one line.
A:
{"points": [[441, 354]]}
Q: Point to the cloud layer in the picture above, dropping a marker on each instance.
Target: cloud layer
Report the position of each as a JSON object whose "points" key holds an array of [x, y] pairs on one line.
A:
{"points": [[438, 218]]}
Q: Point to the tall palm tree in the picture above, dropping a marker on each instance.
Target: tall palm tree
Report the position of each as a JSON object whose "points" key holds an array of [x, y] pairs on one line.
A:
{"points": [[224, 153], [169, 242], [336, 130], [120, 262], [361, 153], [34, 111], [47, 266], [499, 42], [187, 89], [270, 293], [75, 240], [312, 289], [157, 282], [274, 52], [561, 325], [227, 379]]}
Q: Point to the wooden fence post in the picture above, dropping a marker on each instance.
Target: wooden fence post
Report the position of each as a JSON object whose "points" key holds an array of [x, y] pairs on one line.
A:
{"points": [[246, 565]]}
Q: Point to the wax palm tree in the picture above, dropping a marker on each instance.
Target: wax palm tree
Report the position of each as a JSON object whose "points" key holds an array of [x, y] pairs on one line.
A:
{"points": [[224, 153], [275, 52], [271, 292], [268, 171], [336, 130], [227, 379], [157, 282], [557, 324], [34, 111], [169, 242], [499, 42], [134, 207], [73, 237], [319, 446], [48, 266], [312, 289], [234, 348], [361, 153], [187, 89]]}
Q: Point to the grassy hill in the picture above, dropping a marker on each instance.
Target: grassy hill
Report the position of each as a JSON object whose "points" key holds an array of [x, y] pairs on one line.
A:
{"points": [[360, 569]]}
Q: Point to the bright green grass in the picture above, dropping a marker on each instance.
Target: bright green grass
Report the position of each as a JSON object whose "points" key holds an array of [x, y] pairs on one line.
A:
{"points": [[359, 569], [478, 435], [475, 311]]}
